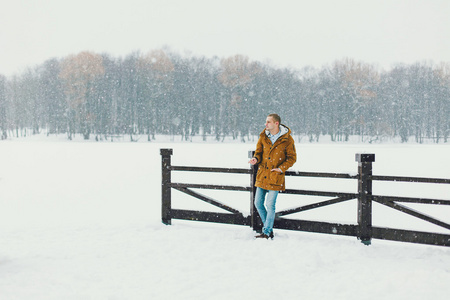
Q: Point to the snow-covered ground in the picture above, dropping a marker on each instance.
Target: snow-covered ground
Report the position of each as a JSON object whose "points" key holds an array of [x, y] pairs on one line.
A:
{"points": [[81, 220]]}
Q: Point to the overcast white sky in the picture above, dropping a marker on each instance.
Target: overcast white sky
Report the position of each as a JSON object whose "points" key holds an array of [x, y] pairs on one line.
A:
{"points": [[293, 33]]}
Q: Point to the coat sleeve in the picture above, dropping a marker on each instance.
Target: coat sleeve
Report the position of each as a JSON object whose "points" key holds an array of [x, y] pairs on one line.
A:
{"points": [[291, 156], [259, 150]]}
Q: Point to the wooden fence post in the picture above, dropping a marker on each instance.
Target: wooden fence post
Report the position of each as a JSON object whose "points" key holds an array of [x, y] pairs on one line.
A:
{"points": [[365, 196], [166, 201], [255, 220]]}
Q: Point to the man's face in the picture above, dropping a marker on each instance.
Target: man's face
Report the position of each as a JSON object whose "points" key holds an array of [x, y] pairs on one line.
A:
{"points": [[271, 124]]}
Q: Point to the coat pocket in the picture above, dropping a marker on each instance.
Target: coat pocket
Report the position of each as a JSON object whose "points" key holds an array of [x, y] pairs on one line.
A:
{"points": [[259, 174], [276, 178]]}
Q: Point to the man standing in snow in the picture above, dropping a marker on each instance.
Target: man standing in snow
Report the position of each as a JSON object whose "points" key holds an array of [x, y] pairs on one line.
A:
{"points": [[275, 153]]}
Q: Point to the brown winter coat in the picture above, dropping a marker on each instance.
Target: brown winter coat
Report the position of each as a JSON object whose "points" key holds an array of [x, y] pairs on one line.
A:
{"points": [[281, 155]]}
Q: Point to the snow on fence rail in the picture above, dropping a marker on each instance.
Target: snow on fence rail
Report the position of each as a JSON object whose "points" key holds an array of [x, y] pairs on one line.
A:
{"points": [[364, 230]]}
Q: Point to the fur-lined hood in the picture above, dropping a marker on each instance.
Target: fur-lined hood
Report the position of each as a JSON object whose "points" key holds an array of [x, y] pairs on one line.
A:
{"points": [[283, 129]]}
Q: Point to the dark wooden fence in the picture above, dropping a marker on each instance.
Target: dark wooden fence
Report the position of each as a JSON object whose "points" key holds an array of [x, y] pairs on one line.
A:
{"points": [[363, 230]]}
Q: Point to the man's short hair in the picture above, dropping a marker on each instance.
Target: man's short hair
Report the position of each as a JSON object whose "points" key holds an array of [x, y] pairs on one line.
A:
{"points": [[275, 117]]}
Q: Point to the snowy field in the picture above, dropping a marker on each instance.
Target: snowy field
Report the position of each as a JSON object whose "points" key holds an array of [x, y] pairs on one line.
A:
{"points": [[81, 220]]}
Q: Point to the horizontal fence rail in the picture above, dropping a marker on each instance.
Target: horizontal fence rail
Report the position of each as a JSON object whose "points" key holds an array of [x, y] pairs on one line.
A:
{"points": [[363, 230], [410, 179], [321, 174], [217, 170]]}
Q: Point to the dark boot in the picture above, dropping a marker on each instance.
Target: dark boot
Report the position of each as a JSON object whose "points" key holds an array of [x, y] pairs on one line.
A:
{"points": [[262, 236]]}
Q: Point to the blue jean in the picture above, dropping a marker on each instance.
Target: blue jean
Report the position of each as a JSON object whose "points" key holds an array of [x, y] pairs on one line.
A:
{"points": [[267, 215]]}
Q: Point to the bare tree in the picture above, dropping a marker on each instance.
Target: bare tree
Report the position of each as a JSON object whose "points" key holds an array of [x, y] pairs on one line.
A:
{"points": [[237, 72], [79, 73]]}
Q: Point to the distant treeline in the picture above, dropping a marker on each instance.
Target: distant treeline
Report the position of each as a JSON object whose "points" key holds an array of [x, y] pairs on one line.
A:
{"points": [[161, 92]]}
